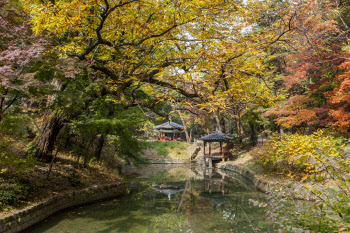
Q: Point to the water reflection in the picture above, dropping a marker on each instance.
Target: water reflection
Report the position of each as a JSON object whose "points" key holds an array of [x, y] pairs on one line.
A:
{"points": [[214, 183], [204, 201], [167, 189]]}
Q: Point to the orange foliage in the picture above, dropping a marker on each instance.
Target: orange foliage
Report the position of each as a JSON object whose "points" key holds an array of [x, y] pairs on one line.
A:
{"points": [[339, 98], [317, 56], [293, 112]]}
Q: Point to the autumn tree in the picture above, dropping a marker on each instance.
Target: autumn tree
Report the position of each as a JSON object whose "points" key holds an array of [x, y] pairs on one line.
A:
{"points": [[19, 48], [315, 65]]}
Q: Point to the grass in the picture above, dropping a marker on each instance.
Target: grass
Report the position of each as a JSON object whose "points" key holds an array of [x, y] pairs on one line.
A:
{"points": [[175, 175], [164, 148]]}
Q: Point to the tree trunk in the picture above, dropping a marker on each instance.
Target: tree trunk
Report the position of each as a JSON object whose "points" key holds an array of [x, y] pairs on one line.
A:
{"points": [[100, 144], [218, 125], [190, 135], [235, 126], [242, 129], [44, 143], [253, 136], [222, 125], [281, 129], [185, 128]]}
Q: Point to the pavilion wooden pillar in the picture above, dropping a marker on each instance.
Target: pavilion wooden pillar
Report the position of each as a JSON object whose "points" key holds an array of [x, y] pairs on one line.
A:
{"points": [[222, 151], [210, 158], [210, 149], [223, 184], [228, 149], [204, 143], [173, 136], [210, 180]]}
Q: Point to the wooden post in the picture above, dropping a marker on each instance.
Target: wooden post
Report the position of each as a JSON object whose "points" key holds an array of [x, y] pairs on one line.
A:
{"points": [[209, 149], [204, 153], [223, 186], [223, 151], [204, 149], [210, 181], [228, 149], [210, 158], [173, 136]]}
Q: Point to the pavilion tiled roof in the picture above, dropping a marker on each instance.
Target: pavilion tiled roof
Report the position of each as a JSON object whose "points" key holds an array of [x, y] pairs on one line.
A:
{"points": [[168, 131], [169, 126], [216, 136]]}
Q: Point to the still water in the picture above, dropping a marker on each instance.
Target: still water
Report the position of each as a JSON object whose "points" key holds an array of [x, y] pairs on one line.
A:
{"points": [[170, 199]]}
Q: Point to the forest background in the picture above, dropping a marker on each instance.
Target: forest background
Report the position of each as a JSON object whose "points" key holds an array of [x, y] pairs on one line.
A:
{"points": [[73, 72]]}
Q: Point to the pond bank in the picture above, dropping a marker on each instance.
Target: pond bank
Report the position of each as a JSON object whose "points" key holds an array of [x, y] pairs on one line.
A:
{"points": [[25, 218], [266, 183], [160, 202]]}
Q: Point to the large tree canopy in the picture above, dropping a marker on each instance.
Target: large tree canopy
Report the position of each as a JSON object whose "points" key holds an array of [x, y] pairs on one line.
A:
{"points": [[207, 51]]}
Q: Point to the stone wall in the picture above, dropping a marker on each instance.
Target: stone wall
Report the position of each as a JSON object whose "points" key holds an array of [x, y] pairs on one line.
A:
{"points": [[259, 183], [168, 161], [294, 191], [23, 219]]}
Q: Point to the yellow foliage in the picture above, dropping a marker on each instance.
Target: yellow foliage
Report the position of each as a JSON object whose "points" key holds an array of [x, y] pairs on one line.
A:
{"points": [[300, 153], [208, 49]]}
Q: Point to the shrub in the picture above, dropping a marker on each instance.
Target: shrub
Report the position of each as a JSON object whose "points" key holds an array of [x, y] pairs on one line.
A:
{"points": [[15, 163], [12, 192], [331, 210], [326, 168], [299, 153], [17, 125]]}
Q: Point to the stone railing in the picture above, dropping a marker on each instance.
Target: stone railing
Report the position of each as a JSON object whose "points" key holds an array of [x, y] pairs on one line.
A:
{"points": [[23, 219]]}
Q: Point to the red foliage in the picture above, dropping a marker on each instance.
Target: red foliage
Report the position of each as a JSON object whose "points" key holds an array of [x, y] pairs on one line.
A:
{"points": [[339, 98], [18, 45], [316, 41], [293, 112]]}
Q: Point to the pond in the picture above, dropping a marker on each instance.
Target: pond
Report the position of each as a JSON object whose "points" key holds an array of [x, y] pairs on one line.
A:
{"points": [[170, 198]]}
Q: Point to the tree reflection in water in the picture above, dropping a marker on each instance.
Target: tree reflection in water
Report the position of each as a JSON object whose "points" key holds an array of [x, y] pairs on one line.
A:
{"points": [[213, 201]]}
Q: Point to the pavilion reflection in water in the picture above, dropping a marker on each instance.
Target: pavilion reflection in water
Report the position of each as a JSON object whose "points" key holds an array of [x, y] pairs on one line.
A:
{"points": [[213, 182]]}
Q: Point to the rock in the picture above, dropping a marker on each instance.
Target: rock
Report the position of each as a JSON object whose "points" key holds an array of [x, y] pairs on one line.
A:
{"points": [[70, 168], [347, 143], [195, 153], [41, 169], [164, 186]]}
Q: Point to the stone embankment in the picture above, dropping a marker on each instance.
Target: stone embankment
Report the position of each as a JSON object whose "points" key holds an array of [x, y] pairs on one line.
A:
{"points": [[262, 184], [168, 161], [23, 219]]}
